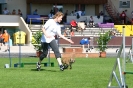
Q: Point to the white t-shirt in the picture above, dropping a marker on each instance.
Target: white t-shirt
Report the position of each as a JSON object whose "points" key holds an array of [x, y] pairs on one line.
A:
{"points": [[79, 12], [52, 28], [5, 12]]}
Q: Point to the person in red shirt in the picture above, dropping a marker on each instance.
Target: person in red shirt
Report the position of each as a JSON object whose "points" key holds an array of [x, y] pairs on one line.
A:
{"points": [[74, 24], [123, 17]]}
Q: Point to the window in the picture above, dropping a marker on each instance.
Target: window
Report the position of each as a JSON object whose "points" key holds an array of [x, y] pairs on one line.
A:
{"points": [[57, 8], [80, 7], [124, 4]]}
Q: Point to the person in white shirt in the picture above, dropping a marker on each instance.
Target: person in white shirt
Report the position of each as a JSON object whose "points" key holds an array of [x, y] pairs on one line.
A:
{"points": [[79, 12], [50, 29], [6, 12]]}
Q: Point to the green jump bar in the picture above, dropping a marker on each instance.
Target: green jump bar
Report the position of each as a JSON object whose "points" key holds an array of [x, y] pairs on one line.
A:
{"points": [[30, 63], [128, 72]]}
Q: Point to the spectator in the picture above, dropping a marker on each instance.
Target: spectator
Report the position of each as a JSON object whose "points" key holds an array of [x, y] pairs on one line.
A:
{"points": [[85, 41], [19, 12], [66, 32], [51, 14], [91, 21], [79, 12], [65, 16], [132, 15], [83, 13], [6, 38], [78, 16], [75, 13], [72, 33], [101, 13], [72, 13], [6, 12], [123, 17], [35, 12], [73, 23], [1, 39], [14, 12]]}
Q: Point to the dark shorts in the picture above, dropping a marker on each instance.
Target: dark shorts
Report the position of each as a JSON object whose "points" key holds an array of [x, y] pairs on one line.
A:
{"points": [[1, 40]]}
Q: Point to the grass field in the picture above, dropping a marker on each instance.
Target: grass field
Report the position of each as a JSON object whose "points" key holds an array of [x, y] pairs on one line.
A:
{"points": [[86, 73]]}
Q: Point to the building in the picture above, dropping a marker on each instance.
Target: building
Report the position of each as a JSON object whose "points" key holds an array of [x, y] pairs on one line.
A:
{"points": [[91, 7]]}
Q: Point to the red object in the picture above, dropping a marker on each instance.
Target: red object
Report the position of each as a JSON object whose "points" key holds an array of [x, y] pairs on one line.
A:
{"points": [[123, 14], [73, 23], [72, 33]]}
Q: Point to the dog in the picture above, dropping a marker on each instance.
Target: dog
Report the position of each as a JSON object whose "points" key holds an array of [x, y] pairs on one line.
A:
{"points": [[68, 61]]}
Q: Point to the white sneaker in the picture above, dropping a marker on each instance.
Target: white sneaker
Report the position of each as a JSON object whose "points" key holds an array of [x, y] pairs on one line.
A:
{"points": [[38, 66]]}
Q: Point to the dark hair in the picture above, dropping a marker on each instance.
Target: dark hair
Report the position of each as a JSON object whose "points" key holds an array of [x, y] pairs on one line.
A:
{"points": [[78, 16], [89, 38]]}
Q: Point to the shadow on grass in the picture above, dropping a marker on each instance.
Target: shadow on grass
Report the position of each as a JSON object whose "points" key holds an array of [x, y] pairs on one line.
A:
{"points": [[33, 56], [44, 70]]}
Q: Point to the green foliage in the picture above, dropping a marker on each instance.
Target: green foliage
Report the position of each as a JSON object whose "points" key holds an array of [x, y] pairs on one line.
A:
{"points": [[103, 40], [36, 40]]}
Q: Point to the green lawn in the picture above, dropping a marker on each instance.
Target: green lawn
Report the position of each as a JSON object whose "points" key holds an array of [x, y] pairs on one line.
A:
{"points": [[86, 73]]}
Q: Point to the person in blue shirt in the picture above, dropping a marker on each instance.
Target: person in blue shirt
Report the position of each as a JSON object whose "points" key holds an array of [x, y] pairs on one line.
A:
{"points": [[85, 41], [35, 12]]}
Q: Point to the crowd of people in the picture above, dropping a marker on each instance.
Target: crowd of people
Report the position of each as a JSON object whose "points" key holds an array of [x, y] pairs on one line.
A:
{"points": [[7, 12]]}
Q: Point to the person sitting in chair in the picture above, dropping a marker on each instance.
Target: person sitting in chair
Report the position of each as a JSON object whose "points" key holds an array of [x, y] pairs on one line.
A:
{"points": [[91, 22], [73, 23]]}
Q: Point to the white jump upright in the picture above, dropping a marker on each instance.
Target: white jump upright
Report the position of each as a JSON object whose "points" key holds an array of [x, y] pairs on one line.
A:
{"points": [[121, 83], [130, 54]]}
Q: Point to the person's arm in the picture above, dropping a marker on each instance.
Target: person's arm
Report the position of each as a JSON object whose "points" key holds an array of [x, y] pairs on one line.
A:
{"points": [[69, 40], [44, 31]]}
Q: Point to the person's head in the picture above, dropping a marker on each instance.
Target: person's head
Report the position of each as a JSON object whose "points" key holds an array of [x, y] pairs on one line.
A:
{"points": [[58, 17], [19, 10], [5, 31], [89, 38], [72, 30], [14, 10], [36, 10]]}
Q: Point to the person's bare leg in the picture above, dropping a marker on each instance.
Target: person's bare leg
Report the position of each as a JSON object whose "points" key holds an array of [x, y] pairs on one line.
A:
{"points": [[88, 46], [59, 61], [83, 47]]}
